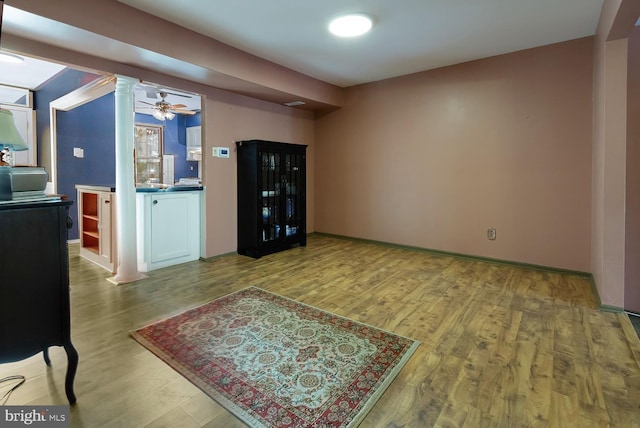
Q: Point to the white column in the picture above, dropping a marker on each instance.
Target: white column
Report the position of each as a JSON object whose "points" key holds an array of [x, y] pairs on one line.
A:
{"points": [[127, 270]]}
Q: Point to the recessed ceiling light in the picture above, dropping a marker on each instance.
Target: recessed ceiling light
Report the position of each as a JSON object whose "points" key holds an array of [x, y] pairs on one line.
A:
{"points": [[351, 25], [295, 103], [10, 58]]}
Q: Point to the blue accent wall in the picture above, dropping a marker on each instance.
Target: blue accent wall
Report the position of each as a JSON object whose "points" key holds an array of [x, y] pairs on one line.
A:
{"points": [[89, 127], [194, 120], [63, 83]]}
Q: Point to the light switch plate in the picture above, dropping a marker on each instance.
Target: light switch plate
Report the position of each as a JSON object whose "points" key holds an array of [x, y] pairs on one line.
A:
{"points": [[78, 152]]}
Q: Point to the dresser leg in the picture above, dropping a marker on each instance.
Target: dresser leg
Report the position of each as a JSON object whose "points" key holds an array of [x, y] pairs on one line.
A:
{"points": [[72, 356], [45, 354]]}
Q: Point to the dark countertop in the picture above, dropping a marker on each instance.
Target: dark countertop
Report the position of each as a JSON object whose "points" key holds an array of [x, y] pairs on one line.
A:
{"points": [[168, 189], [96, 188], [107, 188]]}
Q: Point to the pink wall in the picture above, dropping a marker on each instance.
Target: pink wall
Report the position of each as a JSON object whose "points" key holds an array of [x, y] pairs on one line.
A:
{"points": [[433, 159], [610, 236], [231, 118], [609, 170], [632, 241]]}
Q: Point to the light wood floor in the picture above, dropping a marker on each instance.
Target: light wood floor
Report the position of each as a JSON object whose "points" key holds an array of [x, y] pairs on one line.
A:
{"points": [[501, 346]]}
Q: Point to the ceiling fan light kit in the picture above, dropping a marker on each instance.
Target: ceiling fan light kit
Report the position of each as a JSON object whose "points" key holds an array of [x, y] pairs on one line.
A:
{"points": [[351, 25], [162, 115]]}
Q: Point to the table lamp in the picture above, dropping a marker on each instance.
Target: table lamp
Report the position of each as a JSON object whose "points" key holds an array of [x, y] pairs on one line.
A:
{"points": [[17, 183], [10, 139]]}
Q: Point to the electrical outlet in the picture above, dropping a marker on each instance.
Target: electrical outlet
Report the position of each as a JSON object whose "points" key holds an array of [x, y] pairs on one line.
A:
{"points": [[491, 233]]}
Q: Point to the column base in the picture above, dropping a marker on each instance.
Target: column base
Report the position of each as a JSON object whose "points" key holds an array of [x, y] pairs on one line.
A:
{"points": [[124, 279]]}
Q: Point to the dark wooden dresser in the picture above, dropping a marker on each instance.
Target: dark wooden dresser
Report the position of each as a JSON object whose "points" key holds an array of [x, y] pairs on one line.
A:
{"points": [[34, 283]]}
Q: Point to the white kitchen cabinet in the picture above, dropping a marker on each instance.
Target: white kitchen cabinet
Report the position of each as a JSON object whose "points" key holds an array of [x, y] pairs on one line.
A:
{"points": [[168, 228], [168, 169], [194, 143]]}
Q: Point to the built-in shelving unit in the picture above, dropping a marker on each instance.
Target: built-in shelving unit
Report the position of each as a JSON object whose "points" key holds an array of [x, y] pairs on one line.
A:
{"points": [[96, 225], [90, 240]]}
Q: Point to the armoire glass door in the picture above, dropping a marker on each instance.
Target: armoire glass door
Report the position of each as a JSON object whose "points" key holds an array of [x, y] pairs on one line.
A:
{"points": [[291, 178], [270, 195]]}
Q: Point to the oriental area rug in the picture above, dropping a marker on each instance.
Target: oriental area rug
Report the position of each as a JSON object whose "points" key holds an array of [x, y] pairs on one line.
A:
{"points": [[275, 362]]}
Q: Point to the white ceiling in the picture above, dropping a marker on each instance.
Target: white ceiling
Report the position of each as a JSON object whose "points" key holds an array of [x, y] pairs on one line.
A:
{"points": [[30, 74], [408, 35], [33, 73]]}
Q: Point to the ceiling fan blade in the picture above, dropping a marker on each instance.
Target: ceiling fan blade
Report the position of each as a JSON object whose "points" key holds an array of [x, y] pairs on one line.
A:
{"points": [[144, 102], [174, 106], [181, 111]]}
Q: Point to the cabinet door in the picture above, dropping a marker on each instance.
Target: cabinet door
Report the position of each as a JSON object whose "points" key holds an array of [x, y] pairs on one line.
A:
{"points": [[170, 233], [293, 180], [269, 188], [168, 169], [194, 144]]}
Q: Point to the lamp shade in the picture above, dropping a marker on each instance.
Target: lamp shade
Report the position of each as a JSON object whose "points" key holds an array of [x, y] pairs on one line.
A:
{"points": [[9, 136], [162, 114]]}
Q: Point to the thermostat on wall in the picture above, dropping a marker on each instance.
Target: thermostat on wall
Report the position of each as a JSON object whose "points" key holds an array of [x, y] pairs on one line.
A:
{"points": [[221, 152]]}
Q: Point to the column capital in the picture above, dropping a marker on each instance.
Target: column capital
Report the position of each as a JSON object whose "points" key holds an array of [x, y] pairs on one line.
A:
{"points": [[125, 82]]}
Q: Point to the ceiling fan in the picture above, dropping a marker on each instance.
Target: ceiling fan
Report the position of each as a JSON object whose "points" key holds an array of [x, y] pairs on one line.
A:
{"points": [[162, 109]]}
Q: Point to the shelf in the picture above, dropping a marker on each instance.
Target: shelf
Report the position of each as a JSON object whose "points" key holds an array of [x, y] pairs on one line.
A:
{"points": [[90, 217], [90, 204], [92, 249], [91, 233]]}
